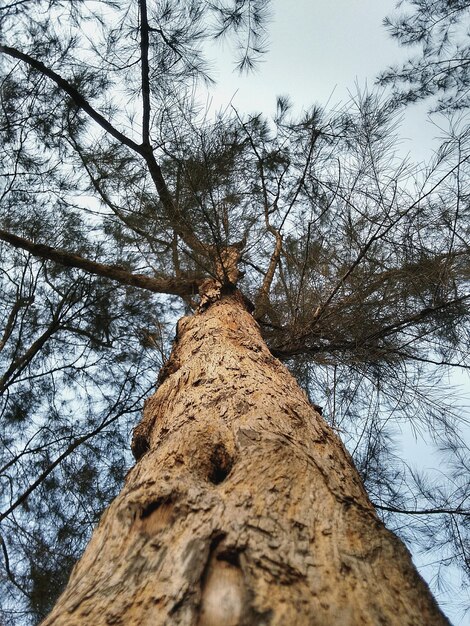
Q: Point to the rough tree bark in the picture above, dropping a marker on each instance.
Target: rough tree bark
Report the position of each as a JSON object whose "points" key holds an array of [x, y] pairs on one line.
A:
{"points": [[243, 508]]}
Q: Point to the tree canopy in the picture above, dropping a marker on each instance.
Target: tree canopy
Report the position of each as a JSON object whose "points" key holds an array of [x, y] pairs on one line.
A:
{"points": [[120, 194]]}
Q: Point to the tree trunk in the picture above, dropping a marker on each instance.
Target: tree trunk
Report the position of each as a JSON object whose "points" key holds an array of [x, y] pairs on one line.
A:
{"points": [[243, 508]]}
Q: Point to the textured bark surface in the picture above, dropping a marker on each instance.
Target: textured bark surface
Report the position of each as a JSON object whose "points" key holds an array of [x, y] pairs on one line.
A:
{"points": [[244, 507]]}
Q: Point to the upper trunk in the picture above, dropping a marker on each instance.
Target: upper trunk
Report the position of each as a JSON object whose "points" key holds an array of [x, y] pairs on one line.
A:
{"points": [[244, 507]]}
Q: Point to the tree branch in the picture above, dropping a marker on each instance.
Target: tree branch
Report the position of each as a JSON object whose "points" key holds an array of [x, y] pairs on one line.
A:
{"points": [[76, 96], [172, 286], [144, 149], [78, 441], [299, 344], [10, 324], [20, 363], [109, 203], [379, 234], [394, 509], [8, 570], [144, 60], [178, 222], [262, 300], [413, 319]]}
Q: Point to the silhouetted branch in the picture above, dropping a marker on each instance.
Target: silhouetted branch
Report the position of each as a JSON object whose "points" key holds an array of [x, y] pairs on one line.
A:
{"points": [[178, 287], [76, 96], [436, 511], [144, 60]]}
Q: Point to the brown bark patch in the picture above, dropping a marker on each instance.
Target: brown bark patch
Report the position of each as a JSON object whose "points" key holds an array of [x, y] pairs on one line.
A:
{"points": [[156, 515], [223, 588]]}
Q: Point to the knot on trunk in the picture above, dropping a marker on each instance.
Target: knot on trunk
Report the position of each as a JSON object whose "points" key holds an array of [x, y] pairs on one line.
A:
{"points": [[226, 265], [140, 440], [209, 291], [226, 274]]}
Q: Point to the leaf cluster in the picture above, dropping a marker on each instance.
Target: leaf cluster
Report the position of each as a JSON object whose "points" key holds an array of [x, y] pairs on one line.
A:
{"points": [[442, 66]]}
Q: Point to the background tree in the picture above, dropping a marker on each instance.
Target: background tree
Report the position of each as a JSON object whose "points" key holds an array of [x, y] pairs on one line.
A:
{"points": [[357, 266], [438, 73]]}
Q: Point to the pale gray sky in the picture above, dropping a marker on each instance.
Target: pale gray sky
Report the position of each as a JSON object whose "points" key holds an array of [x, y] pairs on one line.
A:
{"points": [[315, 47], [318, 52]]}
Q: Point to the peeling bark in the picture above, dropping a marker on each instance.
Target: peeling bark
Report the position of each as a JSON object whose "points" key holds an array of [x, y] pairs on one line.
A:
{"points": [[243, 508]]}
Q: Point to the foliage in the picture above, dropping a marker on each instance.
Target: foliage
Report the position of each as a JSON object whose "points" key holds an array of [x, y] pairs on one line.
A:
{"points": [[356, 264], [442, 68]]}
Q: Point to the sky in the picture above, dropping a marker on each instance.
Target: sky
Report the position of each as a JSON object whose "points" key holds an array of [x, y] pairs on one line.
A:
{"points": [[321, 52], [315, 47]]}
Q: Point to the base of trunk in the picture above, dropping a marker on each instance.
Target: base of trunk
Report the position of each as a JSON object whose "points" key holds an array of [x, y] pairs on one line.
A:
{"points": [[245, 508]]}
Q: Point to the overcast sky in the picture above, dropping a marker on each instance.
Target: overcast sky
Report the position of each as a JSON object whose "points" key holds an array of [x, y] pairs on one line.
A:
{"points": [[319, 52], [315, 47]]}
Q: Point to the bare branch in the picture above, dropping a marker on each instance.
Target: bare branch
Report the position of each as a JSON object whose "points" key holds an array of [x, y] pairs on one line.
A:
{"points": [[178, 287], [437, 511], [76, 96], [144, 60]]}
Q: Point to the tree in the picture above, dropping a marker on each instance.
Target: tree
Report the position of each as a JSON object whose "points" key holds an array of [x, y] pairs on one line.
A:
{"points": [[355, 269], [443, 66]]}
